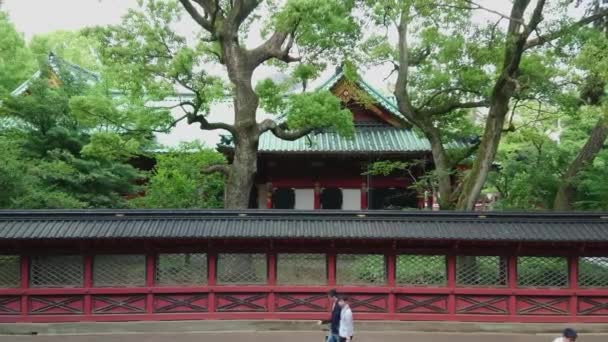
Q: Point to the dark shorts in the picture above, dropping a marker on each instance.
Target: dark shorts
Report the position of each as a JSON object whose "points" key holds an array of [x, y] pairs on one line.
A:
{"points": [[343, 339]]}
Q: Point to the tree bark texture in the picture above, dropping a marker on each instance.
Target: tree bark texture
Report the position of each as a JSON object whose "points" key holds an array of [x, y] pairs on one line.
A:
{"points": [[595, 143]]}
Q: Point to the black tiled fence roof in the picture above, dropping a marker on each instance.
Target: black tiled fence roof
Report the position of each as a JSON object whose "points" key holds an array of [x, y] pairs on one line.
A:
{"points": [[184, 224]]}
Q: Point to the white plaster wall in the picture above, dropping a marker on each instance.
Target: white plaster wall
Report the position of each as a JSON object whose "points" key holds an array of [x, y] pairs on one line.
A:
{"points": [[351, 199], [305, 199]]}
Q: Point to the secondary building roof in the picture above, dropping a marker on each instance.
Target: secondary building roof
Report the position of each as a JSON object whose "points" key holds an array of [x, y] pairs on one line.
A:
{"points": [[262, 224], [367, 139]]}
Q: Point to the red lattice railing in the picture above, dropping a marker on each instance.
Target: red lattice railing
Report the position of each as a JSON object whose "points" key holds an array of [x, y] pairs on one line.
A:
{"points": [[242, 268], [56, 271], [421, 270], [119, 270], [593, 272], [10, 275], [542, 271], [481, 271], [301, 269], [361, 269], [181, 269]]}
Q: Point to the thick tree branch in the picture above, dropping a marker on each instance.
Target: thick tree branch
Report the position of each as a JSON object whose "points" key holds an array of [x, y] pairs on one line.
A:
{"points": [[210, 126], [205, 21], [450, 106], [542, 39], [277, 46], [221, 168], [241, 9], [281, 130], [433, 96]]}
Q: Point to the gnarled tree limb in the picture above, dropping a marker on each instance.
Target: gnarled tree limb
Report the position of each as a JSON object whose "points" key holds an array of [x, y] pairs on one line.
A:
{"points": [[448, 107], [205, 21], [281, 130], [209, 126]]}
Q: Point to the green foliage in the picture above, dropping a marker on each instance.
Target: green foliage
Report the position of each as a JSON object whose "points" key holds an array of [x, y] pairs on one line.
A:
{"points": [[177, 180], [72, 46], [17, 63], [62, 162], [319, 109], [324, 28]]}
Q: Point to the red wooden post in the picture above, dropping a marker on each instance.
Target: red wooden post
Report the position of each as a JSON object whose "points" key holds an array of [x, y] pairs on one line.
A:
{"points": [[391, 274], [364, 190], [269, 195], [211, 279], [25, 283], [317, 204], [150, 266], [88, 283], [451, 270], [331, 269], [512, 284], [272, 280], [573, 282]]}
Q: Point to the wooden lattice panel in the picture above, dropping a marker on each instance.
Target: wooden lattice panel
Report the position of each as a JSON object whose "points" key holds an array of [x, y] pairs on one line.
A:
{"points": [[482, 305], [427, 304], [119, 304], [301, 302], [10, 305], [10, 273], [536, 305], [175, 303], [368, 302], [592, 306], [56, 305], [242, 302]]}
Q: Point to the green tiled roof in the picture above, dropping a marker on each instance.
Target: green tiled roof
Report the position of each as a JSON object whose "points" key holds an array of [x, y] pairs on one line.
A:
{"points": [[367, 139], [58, 64], [386, 102]]}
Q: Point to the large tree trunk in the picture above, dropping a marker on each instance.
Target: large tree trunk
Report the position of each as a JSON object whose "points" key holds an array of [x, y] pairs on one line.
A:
{"points": [[244, 166], [442, 171], [241, 176], [477, 176], [566, 189]]}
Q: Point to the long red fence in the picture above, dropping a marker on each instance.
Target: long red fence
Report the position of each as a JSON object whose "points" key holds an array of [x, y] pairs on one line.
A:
{"points": [[55, 284]]}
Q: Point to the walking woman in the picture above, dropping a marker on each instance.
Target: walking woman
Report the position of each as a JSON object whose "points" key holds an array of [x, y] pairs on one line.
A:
{"points": [[346, 329]]}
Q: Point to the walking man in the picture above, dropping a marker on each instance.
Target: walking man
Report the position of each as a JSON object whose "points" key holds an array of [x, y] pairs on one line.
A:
{"points": [[334, 321], [347, 329]]}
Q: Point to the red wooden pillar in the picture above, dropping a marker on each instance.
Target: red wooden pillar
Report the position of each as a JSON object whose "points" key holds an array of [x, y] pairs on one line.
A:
{"points": [[331, 269], [269, 195], [272, 280], [364, 190], [25, 283], [512, 284], [88, 284], [451, 270], [421, 201], [391, 274], [150, 266], [211, 279], [317, 194], [429, 200], [573, 282]]}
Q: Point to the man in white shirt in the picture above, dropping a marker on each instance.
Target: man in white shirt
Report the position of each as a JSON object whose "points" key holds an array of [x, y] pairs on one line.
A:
{"points": [[569, 335], [346, 330]]}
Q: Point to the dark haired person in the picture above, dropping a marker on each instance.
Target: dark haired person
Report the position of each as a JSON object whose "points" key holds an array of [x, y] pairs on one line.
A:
{"points": [[334, 321], [346, 330], [569, 335]]}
